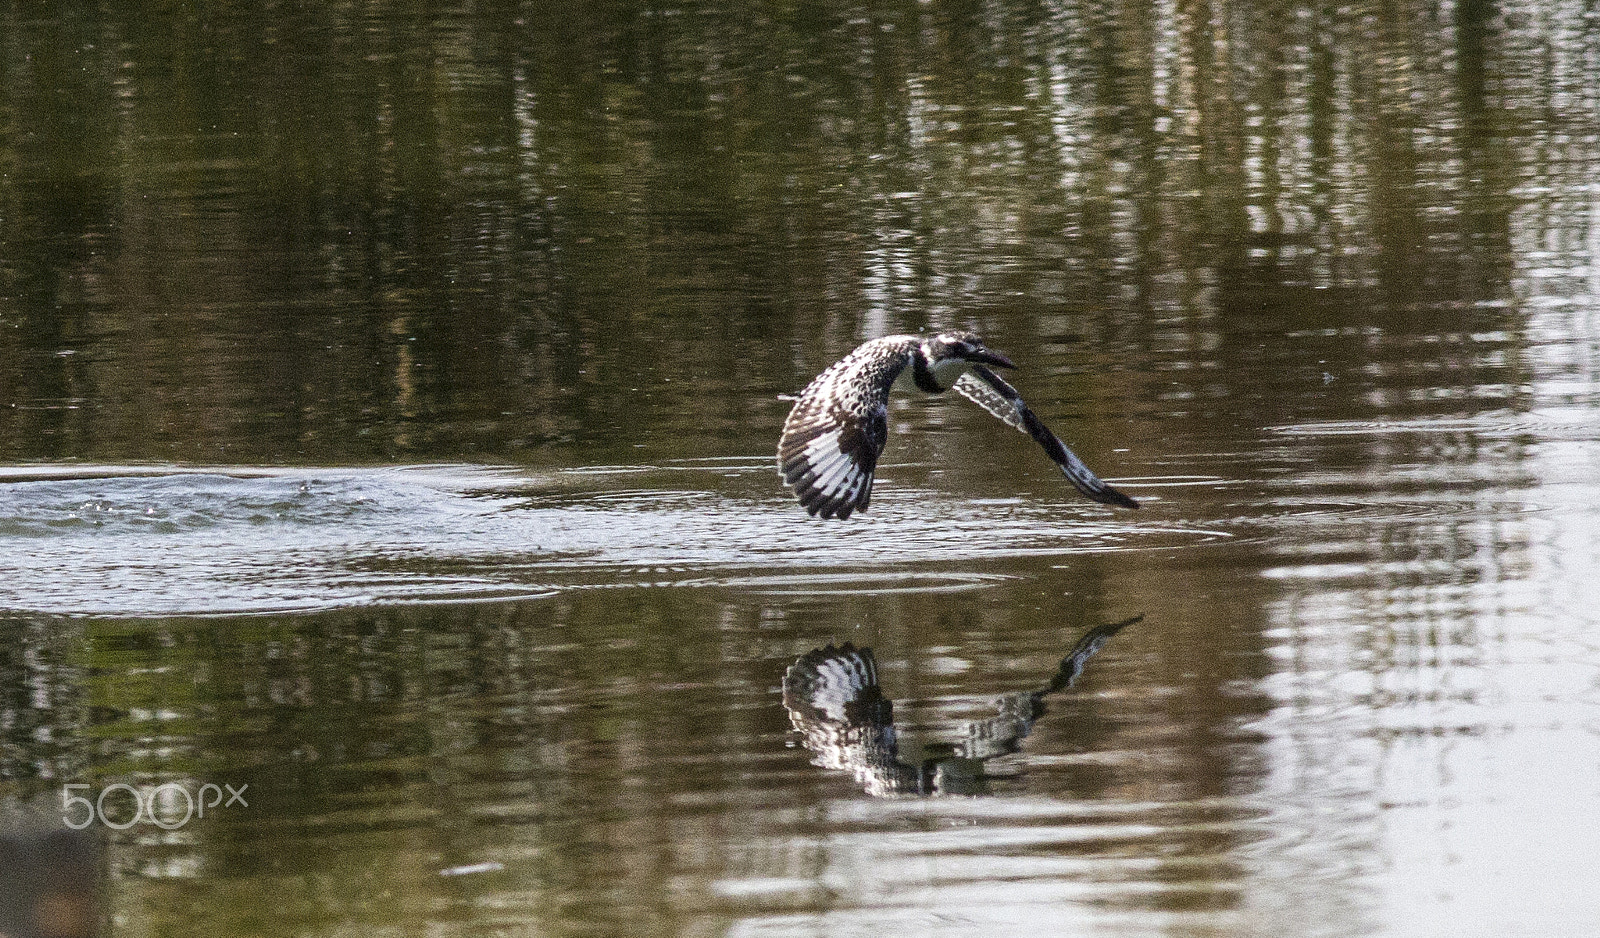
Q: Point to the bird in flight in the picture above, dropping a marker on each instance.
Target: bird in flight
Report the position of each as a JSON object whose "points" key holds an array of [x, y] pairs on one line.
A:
{"points": [[840, 422]]}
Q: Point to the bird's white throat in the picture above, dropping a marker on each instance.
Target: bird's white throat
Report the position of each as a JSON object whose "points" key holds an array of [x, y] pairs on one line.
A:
{"points": [[944, 373]]}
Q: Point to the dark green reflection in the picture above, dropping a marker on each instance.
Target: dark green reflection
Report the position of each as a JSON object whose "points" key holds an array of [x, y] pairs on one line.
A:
{"points": [[392, 745], [336, 232]]}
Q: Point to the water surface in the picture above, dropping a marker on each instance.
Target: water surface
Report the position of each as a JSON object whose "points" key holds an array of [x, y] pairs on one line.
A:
{"points": [[387, 407]]}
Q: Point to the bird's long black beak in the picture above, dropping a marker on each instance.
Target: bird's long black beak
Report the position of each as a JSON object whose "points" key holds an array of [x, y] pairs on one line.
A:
{"points": [[985, 356]]}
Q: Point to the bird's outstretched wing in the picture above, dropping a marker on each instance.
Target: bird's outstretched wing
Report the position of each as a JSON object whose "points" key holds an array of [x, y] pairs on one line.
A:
{"points": [[834, 434], [986, 389]]}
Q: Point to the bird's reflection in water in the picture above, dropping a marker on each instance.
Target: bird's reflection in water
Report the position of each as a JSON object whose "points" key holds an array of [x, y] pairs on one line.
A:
{"points": [[834, 701]]}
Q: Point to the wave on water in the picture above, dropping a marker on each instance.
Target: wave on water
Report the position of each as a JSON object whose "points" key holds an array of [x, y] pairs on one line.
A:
{"points": [[154, 541]]}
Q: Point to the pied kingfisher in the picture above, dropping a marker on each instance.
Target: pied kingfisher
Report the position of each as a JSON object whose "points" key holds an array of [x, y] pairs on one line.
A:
{"points": [[836, 431]]}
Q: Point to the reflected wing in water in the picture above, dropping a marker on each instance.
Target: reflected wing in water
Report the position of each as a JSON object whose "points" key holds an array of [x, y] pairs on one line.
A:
{"points": [[834, 701], [836, 705]]}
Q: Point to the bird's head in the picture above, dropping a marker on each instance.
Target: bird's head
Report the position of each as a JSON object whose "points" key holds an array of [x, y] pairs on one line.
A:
{"points": [[953, 347]]}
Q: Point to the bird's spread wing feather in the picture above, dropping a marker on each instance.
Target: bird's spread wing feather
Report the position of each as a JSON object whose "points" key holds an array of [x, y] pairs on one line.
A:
{"points": [[974, 389], [838, 427], [986, 389]]}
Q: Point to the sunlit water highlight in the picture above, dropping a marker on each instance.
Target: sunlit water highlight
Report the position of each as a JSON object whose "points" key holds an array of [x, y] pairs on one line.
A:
{"points": [[153, 541]]}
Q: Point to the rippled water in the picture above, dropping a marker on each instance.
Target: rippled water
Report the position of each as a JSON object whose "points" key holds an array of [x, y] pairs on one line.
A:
{"points": [[387, 407], [1359, 697], [159, 541]]}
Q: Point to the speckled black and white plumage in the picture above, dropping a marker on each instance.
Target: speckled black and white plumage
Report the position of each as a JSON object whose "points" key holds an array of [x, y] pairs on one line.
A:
{"points": [[840, 422], [837, 428], [989, 391]]}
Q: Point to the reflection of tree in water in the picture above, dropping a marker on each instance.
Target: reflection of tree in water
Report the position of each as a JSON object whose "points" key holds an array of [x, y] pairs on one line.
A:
{"points": [[834, 701], [458, 233]]}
